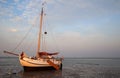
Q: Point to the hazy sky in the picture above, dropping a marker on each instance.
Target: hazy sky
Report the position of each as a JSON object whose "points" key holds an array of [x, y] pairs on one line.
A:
{"points": [[81, 28]]}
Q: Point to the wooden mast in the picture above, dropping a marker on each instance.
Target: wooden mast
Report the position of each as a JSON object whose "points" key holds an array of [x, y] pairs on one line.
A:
{"points": [[40, 31]]}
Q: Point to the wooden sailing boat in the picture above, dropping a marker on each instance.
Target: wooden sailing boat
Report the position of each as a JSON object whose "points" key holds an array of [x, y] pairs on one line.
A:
{"points": [[42, 60]]}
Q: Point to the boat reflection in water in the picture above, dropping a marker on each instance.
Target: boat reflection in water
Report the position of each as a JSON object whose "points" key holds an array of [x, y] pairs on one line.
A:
{"points": [[41, 74]]}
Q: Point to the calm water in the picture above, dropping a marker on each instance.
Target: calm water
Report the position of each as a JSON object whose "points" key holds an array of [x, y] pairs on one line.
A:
{"points": [[72, 68]]}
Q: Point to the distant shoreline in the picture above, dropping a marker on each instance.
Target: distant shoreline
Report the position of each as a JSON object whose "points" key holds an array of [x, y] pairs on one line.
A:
{"points": [[92, 57], [75, 57]]}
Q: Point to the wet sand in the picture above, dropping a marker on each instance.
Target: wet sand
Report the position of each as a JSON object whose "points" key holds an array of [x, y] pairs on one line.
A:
{"points": [[91, 71], [72, 68], [76, 71]]}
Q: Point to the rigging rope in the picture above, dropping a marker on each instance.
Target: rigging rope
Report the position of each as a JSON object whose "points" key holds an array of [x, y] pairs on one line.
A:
{"points": [[22, 39], [25, 36], [52, 36], [43, 46]]}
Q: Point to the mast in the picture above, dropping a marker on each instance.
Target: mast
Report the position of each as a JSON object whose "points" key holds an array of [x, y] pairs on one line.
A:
{"points": [[40, 31]]}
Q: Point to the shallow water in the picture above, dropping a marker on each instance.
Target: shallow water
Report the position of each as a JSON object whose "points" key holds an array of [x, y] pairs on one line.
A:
{"points": [[72, 68]]}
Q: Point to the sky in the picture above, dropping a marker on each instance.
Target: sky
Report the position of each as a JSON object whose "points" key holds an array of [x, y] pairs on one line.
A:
{"points": [[76, 28]]}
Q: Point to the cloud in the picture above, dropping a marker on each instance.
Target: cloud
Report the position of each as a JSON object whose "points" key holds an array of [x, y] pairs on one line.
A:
{"points": [[16, 18], [81, 26], [16, 1], [3, 1], [79, 9], [13, 30], [6, 11], [83, 9], [77, 45]]}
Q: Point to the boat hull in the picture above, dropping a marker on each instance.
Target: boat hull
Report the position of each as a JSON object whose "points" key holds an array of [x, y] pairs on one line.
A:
{"points": [[37, 68], [32, 64]]}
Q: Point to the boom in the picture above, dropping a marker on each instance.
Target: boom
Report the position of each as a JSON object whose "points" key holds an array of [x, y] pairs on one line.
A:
{"points": [[11, 53]]}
